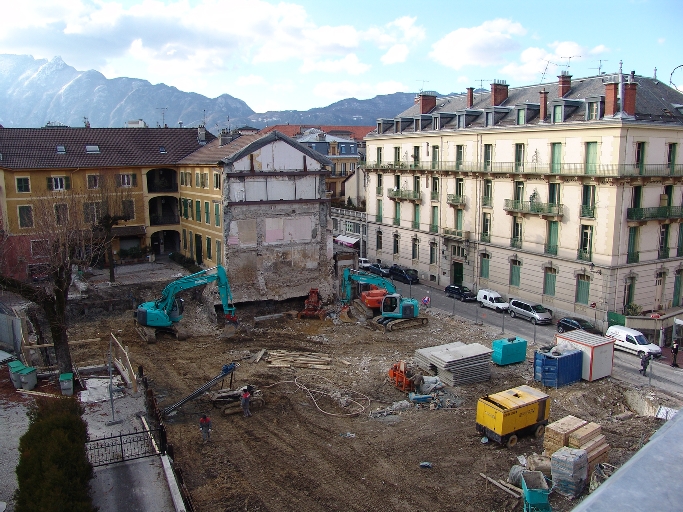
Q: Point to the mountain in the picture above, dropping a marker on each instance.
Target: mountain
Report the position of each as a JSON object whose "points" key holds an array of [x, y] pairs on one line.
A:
{"points": [[35, 92]]}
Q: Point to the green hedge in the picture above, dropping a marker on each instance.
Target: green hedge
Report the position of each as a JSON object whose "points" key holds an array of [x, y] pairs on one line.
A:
{"points": [[186, 262], [54, 472]]}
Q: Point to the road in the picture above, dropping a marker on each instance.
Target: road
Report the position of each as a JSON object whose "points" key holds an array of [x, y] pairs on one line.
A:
{"points": [[626, 366]]}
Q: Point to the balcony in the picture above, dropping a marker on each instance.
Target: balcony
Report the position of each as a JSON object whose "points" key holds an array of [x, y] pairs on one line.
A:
{"points": [[435, 195], [379, 191], [532, 207], [679, 251], [516, 242], [485, 237], [396, 222], [161, 220], [378, 217], [456, 233], [550, 249], [433, 228], [587, 212], [456, 200], [657, 212], [415, 224], [487, 201], [633, 257], [584, 255], [410, 195], [663, 253]]}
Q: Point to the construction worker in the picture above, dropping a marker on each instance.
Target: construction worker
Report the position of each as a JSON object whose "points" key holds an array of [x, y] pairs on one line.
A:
{"points": [[674, 353], [205, 427], [644, 362], [244, 401]]}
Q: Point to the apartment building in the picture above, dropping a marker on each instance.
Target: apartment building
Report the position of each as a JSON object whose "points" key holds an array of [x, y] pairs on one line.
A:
{"points": [[568, 193]]}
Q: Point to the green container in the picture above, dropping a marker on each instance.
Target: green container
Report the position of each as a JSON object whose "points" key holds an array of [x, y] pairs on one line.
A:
{"points": [[509, 351], [29, 378], [14, 368], [66, 382]]}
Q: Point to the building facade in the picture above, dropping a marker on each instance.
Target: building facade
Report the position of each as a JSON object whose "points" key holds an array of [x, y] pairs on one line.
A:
{"points": [[569, 193]]}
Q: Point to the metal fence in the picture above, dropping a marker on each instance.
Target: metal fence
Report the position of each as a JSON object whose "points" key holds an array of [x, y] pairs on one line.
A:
{"points": [[122, 447]]}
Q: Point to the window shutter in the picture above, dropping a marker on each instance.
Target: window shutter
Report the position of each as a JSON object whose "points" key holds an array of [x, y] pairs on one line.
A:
{"points": [[50, 184], [134, 179], [118, 180], [67, 183]]}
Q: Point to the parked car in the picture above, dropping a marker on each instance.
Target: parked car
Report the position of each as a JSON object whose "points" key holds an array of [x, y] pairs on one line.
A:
{"points": [[379, 268], [490, 299], [404, 274], [571, 323], [532, 311], [630, 340], [363, 263], [460, 292]]}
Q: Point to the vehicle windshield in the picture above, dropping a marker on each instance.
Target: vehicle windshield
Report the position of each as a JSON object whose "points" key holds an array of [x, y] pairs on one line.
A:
{"points": [[498, 300], [465, 289], [411, 272], [585, 325], [539, 309], [641, 340]]}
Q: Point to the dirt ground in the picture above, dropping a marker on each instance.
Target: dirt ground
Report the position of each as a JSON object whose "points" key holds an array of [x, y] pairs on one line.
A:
{"points": [[310, 451]]}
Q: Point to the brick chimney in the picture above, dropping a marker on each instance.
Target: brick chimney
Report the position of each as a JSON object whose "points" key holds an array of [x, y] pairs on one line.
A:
{"points": [[499, 92], [611, 98], [427, 103], [470, 97], [201, 134], [564, 84], [630, 95], [544, 105]]}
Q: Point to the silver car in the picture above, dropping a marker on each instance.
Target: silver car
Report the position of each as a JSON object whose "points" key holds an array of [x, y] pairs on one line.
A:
{"points": [[532, 311]]}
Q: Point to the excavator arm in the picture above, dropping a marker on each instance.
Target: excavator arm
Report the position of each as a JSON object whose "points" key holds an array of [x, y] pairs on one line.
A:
{"points": [[353, 276]]}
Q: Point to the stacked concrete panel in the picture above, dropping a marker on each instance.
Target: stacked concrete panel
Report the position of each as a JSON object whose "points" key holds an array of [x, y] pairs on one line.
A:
{"points": [[456, 363]]}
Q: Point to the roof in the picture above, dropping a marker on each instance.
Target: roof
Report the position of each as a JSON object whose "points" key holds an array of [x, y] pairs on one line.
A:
{"points": [[291, 130], [311, 135], [655, 101], [37, 148], [213, 153]]}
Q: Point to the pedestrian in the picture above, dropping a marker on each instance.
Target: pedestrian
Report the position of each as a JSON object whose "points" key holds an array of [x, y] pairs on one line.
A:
{"points": [[644, 362], [246, 398], [426, 301], [674, 353], [205, 427]]}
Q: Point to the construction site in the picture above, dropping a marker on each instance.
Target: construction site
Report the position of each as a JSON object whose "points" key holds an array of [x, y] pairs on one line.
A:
{"points": [[333, 426]]}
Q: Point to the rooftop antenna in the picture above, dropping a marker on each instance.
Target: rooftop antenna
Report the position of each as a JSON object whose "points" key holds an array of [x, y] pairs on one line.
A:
{"points": [[163, 115], [423, 84], [204, 121], [599, 68], [569, 60], [547, 63], [671, 82]]}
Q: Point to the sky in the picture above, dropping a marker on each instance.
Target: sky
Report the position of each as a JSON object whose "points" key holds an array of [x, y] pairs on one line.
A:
{"points": [[298, 55]]}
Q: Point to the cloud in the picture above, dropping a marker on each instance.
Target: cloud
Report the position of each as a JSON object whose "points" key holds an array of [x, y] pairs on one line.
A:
{"points": [[335, 91], [484, 45], [349, 64], [396, 54], [601, 48], [250, 80], [661, 40]]}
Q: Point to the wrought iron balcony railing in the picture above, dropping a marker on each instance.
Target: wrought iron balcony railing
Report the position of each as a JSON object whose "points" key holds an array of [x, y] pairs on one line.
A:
{"points": [[587, 211], [455, 200], [416, 224], [485, 237], [534, 207], [657, 212], [378, 218], [433, 228], [633, 257], [456, 233], [663, 253], [487, 201], [584, 255], [550, 249], [397, 222], [379, 191], [516, 242], [397, 193]]}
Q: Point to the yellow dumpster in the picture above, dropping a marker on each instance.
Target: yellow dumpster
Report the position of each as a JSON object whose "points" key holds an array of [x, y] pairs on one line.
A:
{"points": [[506, 415]]}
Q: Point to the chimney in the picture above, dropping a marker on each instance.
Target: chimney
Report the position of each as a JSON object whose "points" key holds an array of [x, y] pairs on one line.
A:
{"points": [[470, 97], [201, 134], [224, 137], [427, 103], [499, 92], [630, 95], [611, 99], [544, 105], [564, 84]]}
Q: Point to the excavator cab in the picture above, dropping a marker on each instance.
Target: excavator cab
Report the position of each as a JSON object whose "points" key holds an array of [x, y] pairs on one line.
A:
{"points": [[176, 313], [393, 306]]}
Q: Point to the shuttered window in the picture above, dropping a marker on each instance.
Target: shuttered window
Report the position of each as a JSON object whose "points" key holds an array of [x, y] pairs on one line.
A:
{"points": [[198, 211], [217, 214], [549, 281], [484, 270], [207, 213], [515, 272], [583, 285]]}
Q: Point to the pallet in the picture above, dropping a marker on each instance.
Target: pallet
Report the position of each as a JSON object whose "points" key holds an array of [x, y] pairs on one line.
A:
{"points": [[584, 434], [557, 433]]}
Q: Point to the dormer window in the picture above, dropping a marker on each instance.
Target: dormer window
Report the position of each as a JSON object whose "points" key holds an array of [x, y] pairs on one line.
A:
{"points": [[435, 124], [92, 149], [521, 116], [592, 111], [461, 121], [557, 114], [162, 150], [61, 149]]}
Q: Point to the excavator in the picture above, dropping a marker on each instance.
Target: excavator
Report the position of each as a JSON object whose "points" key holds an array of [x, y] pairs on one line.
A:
{"points": [[162, 314], [396, 312]]}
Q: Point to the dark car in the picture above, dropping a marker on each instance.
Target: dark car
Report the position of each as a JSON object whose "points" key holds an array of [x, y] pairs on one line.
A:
{"points": [[378, 268], [572, 324], [460, 292], [403, 274]]}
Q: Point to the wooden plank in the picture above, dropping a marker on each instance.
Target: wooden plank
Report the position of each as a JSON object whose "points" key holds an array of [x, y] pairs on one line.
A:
{"points": [[584, 434], [77, 342], [508, 484], [502, 487], [38, 393], [592, 444], [259, 355]]}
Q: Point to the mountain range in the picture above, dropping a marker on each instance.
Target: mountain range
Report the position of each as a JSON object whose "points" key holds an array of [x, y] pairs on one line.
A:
{"points": [[38, 92]]}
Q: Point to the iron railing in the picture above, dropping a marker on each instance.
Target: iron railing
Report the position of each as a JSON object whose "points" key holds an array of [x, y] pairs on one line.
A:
{"points": [[435, 195], [587, 211], [516, 242], [456, 233], [397, 222], [485, 237], [656, 212], [663, 253], [379, 191], [397, 193], [633, 257], [416, 224], [584, 255], [550, 249], [533, 207], [378, 217], [433, 228], [122, 447], [343, 212], [455, 200], [486, 201]]}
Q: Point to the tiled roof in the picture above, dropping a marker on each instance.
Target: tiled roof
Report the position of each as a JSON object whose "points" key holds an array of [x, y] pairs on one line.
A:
{"points": [[291, 130], [37, 148]]}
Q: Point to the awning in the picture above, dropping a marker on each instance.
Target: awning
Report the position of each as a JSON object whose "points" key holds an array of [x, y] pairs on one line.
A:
{"points": [[349, 241]]}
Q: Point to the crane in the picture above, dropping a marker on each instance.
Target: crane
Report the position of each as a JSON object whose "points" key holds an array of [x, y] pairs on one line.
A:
{"points": [[162, 314], [396, 312]]}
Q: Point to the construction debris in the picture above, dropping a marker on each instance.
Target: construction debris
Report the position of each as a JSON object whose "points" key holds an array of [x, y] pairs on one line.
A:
{"points": [[285, 359], [456, 363]]}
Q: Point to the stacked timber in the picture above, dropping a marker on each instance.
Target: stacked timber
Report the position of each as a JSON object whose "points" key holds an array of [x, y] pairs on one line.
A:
{"points": [[557, 433], [286, 359], [456, 363], [590, 439]]}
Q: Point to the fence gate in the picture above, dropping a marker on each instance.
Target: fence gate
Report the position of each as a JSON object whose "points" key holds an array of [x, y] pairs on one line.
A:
{"points": [[122, 447]]}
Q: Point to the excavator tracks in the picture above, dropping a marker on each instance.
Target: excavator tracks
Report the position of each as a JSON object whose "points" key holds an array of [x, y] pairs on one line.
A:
{"points": [[398, 324]]}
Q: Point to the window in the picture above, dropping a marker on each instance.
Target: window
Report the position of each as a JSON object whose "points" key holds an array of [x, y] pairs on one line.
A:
{"points": [[640, 155], [129, 208], [588, 201], [184, 239], [664, 241], [554, 193], [216, 180], [335, 224], [197, 179], [435, 123], [489, 119], [630, 290], [416, 183], [397, 154], [219, 254], [92, 212], [583, 285], [557, 114], [669, 193], [556, 157], [461, 121], [459, 187], [379, 241], [217, 214], [459, 156], [397, 214], [58, 183], [521, 116], [519, 156], [586, 243], [515, 272], [207, 213], [434, 227], [343, 149], [185, 206], [162, 149], [26, 216], [379, 181], [198, 210], [435, 157], [591, 157], [23, 185], [433, 253], [592, 111], [93, 181], [397, 182], [488, 192], [379, 156], [488, 153], [396, 239], [205, 180], [636, 196], [549, 276], [516, 232], [92, 149], [632, 253], [126, 180], [551, 237], [191, 236], [61, 214], [416, 248], [435, 186], [484, 266], [458, 219], [519, 191], [379, 211], [416, 155], [209, 248], [671, 156], [486, 223], [61, 149], [182, 179]]}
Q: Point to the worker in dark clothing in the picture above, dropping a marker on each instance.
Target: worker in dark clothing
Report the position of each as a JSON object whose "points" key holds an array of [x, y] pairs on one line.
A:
{"points": [[674, 353], [644, 362], [244, 400], [205, 427]]}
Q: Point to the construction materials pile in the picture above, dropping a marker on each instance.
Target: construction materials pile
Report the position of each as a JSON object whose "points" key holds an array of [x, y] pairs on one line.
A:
{"points": [[569, 468], [456, 363], [557, 433], [590, 438], [287, 359]]}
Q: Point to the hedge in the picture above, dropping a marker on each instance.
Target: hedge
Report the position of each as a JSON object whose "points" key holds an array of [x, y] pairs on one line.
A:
{"points": [[186, 262], [54, 472]]}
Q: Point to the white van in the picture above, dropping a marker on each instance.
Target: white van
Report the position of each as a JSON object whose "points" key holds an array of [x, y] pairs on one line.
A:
{"points": [[633, 341], [491, 299]]}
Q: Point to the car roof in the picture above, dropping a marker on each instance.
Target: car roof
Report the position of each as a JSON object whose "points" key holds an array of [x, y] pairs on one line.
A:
{"points": [[627, 330]]}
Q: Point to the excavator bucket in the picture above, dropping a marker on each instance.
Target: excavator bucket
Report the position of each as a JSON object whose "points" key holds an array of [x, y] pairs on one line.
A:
{"points": [[344, 315]]}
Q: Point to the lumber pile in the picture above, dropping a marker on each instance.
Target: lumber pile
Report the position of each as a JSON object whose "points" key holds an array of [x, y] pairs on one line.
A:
{"points": [[286, 359], [557, 433], [456, 363], [576, 433]]}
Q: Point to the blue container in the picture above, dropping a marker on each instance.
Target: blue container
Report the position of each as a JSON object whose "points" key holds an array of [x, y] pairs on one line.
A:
{"points": [[556, 370], [509, 351]]}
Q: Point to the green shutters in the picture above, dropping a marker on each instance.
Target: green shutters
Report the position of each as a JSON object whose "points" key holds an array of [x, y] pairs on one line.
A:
{"points": [[209, 247], [556, 157], [379, 156], [458, 219], [488, 154], [198, 210], [632, 253], [435, 220], [557, 114], [484, 267], [435, 157], [217, 214], [551, 244], [519, 156], [515, 272], [583, 285], [591, 157], [459, 155], [640, 156], [679, 249], [549, 281], [671, 157], [677, 290], [207, 214], [185, 206]]}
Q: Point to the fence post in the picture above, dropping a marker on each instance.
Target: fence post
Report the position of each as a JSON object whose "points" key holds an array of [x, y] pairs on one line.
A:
{"points": [[121, 444], [162, 439]]}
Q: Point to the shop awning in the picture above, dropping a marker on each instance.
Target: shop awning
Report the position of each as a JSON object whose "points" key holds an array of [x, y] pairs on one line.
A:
{"points": [[349, 241]]}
